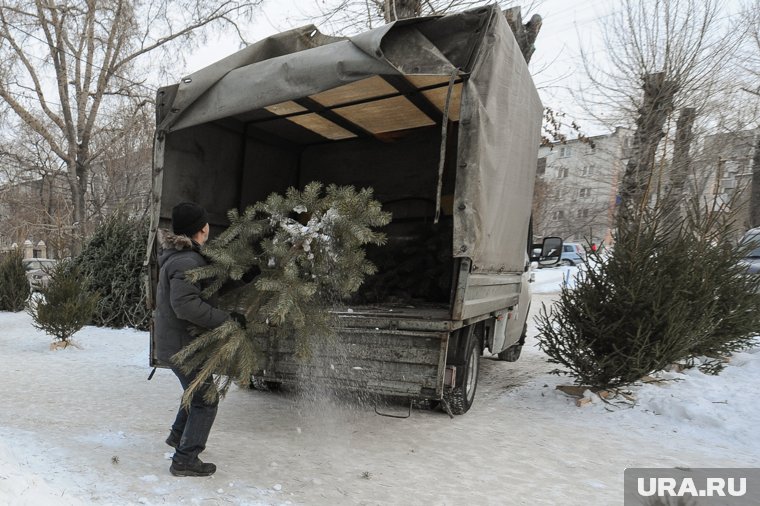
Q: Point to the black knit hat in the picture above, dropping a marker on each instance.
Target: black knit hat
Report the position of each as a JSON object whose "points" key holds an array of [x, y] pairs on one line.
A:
{"points": [[188, 218]]}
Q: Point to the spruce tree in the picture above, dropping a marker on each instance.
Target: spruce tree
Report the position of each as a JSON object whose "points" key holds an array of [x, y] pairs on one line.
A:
{"points": [[305, 252], [66, 306], [667, 293], [14, 286], [113, 263]]}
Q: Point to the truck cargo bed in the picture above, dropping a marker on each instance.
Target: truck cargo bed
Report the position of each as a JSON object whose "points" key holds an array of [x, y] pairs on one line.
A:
{"points": [[384, 349]]}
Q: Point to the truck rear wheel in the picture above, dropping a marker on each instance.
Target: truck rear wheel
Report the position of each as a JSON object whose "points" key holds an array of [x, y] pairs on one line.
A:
{"points": [[460, 397]]}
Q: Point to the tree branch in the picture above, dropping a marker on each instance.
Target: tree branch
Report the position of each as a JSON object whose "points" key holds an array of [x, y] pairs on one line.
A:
{"points": [[18, 51], [32, 122]]}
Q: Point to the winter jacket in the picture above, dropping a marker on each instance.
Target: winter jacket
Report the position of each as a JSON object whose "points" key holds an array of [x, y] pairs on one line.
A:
{"points": [[179, 304]]}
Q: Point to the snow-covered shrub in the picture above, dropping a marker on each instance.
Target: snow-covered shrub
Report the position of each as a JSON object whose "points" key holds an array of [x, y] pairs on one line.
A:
{"points": [[66, 306], [14, 287], [665, 294], [112, 261]]}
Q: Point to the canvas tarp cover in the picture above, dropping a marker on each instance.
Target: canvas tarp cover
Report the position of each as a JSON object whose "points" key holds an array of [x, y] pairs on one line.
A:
{"points": [[499, 120]]}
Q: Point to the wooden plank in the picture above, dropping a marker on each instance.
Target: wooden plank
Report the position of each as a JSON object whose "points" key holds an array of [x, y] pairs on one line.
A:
{"points": [[365, 355], [421, 378], [438, 97], [334, 117], [288, 107], [322, 126], [374, 368], [386, 387], [357, 347], [418, 99], [424, 81], [401, 324], [383, 362], [387, 115], [370, 87]]}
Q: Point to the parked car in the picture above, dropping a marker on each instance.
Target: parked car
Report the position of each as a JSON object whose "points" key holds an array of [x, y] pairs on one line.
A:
{"points": [[752, 255], [572, 254], [38, 272]]}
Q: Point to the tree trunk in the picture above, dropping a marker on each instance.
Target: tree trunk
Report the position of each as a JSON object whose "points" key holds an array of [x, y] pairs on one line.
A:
{"points": [[524, 34], [674, 198], [78, 176], [401, 9], [657, 106]]}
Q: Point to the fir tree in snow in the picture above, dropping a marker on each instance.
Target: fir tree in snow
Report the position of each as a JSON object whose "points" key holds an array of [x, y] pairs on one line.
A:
{"points": [[66, 306], [112, 262], [305, 250], [14, 287], [667, 293]]}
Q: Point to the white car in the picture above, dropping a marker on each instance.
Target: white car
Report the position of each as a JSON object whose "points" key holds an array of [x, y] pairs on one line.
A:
{"points": [[38, 271]]}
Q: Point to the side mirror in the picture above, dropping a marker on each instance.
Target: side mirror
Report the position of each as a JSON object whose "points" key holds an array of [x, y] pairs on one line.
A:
{"points": [[548, 252]]}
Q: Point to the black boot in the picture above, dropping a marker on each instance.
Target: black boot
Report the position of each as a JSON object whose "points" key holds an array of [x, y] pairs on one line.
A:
{"points": [[173, 439], [193, 468]]}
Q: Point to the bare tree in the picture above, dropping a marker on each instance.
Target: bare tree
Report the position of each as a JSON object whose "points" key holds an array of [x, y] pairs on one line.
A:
{"points": [[751, 60], [32, 205], [65, 65], [121, 178], [661, 56]]}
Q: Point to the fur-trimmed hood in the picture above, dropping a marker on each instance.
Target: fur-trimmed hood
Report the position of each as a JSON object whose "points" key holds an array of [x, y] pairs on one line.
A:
{"points": [[170, 244], [170, 240]]}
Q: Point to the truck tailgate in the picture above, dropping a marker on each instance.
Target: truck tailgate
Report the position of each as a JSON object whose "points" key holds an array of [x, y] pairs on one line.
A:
{"points": [[381, 360]]}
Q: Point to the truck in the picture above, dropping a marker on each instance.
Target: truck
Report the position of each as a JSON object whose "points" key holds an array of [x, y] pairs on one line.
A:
{"points": [[440, 116]]}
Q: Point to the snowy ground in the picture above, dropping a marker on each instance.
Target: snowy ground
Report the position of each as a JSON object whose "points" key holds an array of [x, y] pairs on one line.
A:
{"points": [[83, 426]]}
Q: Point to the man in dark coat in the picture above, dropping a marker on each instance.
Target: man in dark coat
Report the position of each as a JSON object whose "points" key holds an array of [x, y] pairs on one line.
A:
{"points": [[179, 306]]}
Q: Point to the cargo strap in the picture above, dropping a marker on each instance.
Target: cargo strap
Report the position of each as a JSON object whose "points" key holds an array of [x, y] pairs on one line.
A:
{"points": [[444, 131]]}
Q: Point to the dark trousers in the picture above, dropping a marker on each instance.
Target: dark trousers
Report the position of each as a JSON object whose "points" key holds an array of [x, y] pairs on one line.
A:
{"points": [[193, 424]]}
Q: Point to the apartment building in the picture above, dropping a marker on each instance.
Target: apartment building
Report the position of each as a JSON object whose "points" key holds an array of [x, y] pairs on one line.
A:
{"points": [[724, 171], [577, 187]]}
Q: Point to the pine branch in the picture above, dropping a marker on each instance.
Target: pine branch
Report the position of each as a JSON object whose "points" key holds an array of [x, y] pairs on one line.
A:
{"points": [[305, 249]]}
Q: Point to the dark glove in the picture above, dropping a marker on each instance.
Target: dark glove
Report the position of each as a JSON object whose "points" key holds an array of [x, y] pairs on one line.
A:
{"points": [[239, 318]]}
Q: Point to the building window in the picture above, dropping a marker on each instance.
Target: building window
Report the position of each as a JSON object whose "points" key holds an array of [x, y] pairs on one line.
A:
{"points": [[559, 193], [582, 213], [558, 215], [584, 192], [541, 166], [586, 171], [562, 173], [564, 152]]}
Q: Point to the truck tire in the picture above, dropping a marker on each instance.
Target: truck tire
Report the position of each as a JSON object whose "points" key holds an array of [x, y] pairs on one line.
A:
{"points": [[460, 397]]}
